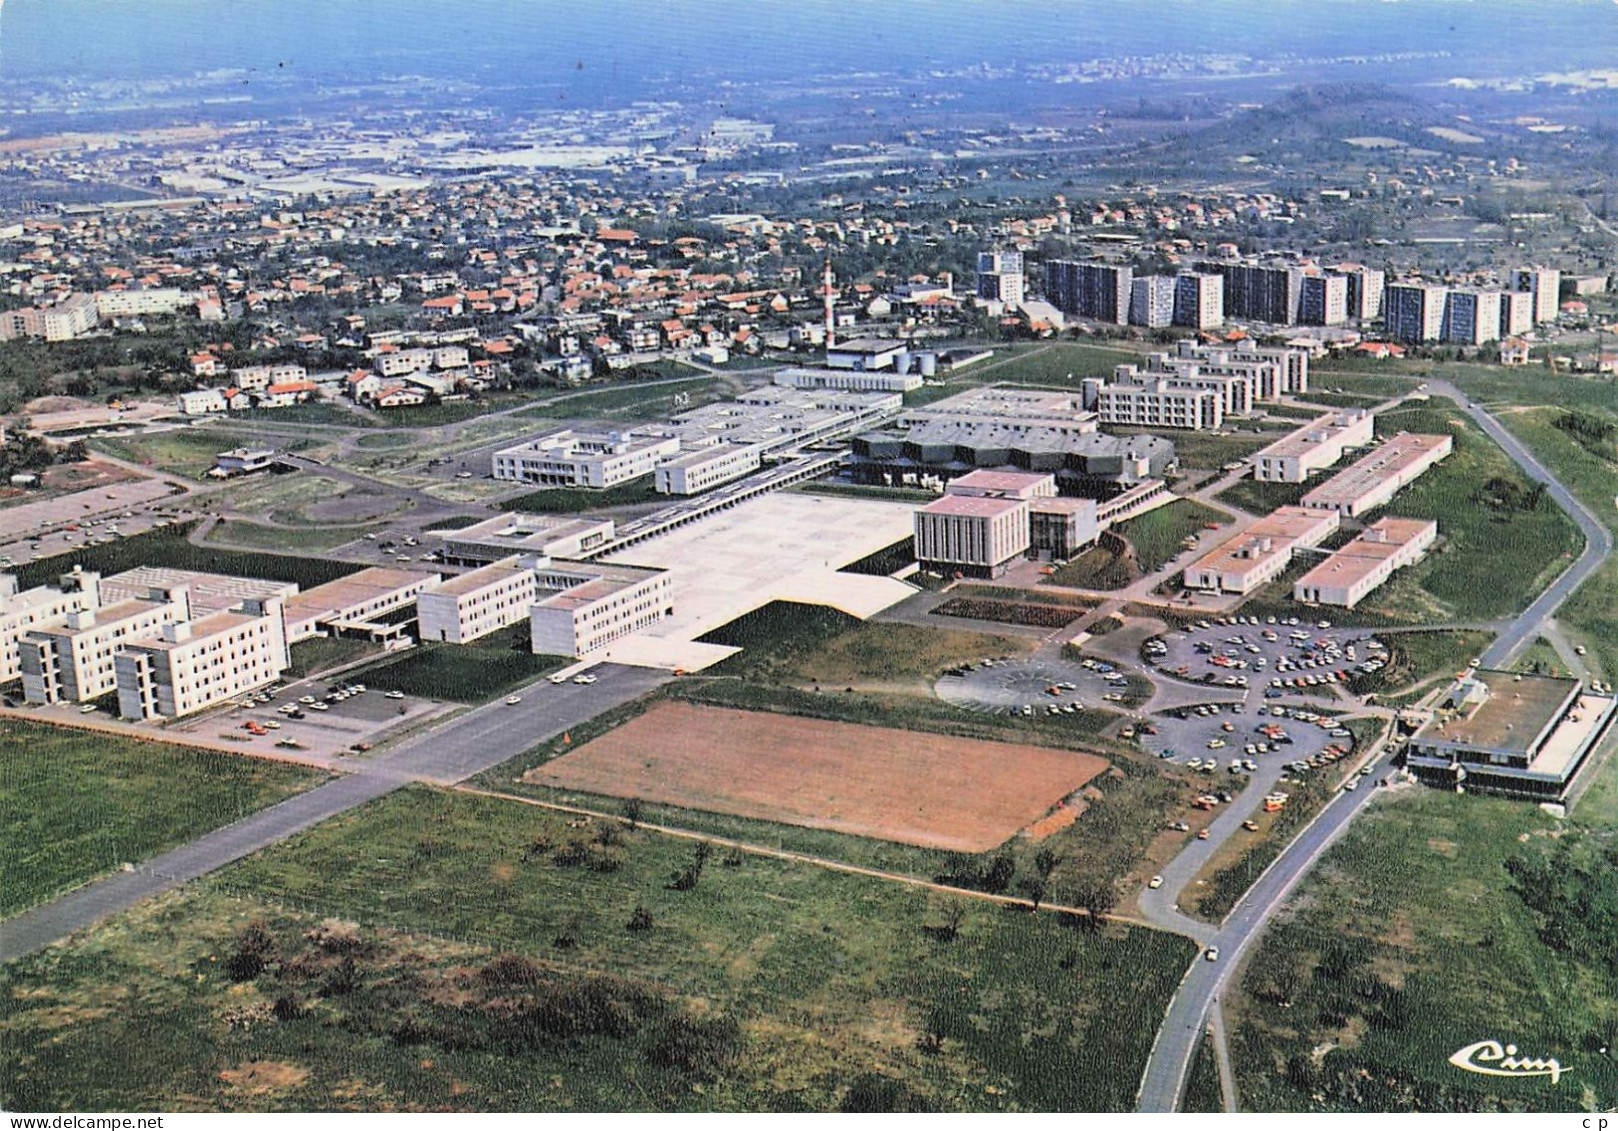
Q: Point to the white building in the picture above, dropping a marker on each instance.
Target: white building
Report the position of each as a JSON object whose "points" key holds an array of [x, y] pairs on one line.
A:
{"points": [[1345, 578], [250, 377], [1155, 403], [356, 603], [594, 604], [971, 534], [1545, 284], [531, 535], [191, 665], [41, 607], [152, 300], [696, 471], [859, 380], [478, 603], [1316, 445], [202, 402], [1261, 552], [73, 662], [569, 458], [1377, 476]]}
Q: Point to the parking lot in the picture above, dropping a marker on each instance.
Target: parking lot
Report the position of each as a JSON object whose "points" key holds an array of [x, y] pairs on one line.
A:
{"points": [[1032, 686], [1268, 656]]}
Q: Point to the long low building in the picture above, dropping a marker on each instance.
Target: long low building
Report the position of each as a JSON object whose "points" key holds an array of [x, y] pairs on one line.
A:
{"points": [[1261, 552], [356, 603], [1349, 575], [533, 535], [475, 604], [1377, 476], [1512, 734], [594, 604], [207, 592], [1316, 445], [572, 457]]}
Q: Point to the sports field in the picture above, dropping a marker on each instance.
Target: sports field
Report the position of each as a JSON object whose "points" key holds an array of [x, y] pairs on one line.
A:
{"points": [[923, 789]]}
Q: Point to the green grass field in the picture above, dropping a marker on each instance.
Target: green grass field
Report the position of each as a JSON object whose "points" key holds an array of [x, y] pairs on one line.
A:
{"points": [[464, 673], [631, 400], [1414, 658], [167, 546], [1259, 497], [184, 451], [833, 989], [303, 539], [79, 804], [573, 500], [1157, 535], [1212, 450], [1414, 938]]}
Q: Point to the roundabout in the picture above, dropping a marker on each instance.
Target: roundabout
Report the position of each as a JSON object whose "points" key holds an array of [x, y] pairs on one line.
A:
{"points": [[1033, 686]]}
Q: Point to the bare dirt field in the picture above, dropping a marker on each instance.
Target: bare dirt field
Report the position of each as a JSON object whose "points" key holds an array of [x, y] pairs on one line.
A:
{"points": [[922, 789]]}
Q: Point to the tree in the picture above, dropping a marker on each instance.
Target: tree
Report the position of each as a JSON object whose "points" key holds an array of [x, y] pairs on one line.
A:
{"points": [[1035, 888], [1045, 862], [255, 950], [1098, 900], [640, 920], [632, 811]]}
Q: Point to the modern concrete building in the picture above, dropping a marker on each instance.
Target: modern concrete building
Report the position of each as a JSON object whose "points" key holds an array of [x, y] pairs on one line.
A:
{"points": [[361, 604], [1364, 295], [1512, 734], [1377, 476], [1413, 311], [1199, 300], [701, 469], [1259, 292], [1003, 485], [594, 604], [1161, 402], [1516, 313], [190, 665], [1350, 574], [23, 611], [574, 458], [205, 592], [1471, 316], [864, 354], [1316, 445], [532, 535], [1059, 527], [857, 380], [242, 461], [1000, 277], [1324, 301], [1261, 552], [73, 662], [1545, 284], [974, 535], [1098, 291], [475, 604], [1151, 301]]}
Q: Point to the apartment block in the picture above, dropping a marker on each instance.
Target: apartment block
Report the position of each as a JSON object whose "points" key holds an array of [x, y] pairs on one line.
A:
{"points": [[1199, 300], [1471, 316], [73, 662], [1146, 402], [191, 665], [1324, 300], [1258, 292], [1261, 552], [1545, 285], [1000, 277], [1098, 291], [22, 611], [1316, 445], [1364, 295], [1413, 312], [1151, 301], [1377, 476], [1350, 574]]}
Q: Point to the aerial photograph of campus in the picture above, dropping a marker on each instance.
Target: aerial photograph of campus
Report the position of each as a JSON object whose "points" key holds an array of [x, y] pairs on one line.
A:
{"points": [[806, 556]]}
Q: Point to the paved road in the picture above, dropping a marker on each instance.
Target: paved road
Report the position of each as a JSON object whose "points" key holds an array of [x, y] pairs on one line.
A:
{"points": [[461, 748], [1597, 547], [1163, 1082]]}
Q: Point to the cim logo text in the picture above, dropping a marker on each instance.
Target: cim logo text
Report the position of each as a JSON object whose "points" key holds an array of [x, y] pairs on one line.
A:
{"points": [[1488, 1058]]}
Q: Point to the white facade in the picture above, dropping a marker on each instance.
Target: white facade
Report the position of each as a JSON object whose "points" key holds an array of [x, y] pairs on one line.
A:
{"points": [[972, 534], [597, 604], [1318, 444], [1157, 404], [192, 665], [567, 458], [697, 471], [251, 377], [475, 604], [202, 402], [40, 607], [1261, 552], [858, 380], [154, 300], [74, 662], [1377, 476], [1349, 575]]}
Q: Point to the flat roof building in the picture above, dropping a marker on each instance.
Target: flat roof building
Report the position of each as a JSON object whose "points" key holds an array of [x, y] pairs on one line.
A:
{"points": [[1003, 484], [206, 592], [593, 604], [864, 354], [1512, 734], [1377, 476], [73, 662], [534, 535], [1059, 526], [192, 665], [1345, 578], [1316, 445], [859, 380], [571, 457], [22, 611], [354, 604], [1261, 552], [475, 604], [973, 535]]}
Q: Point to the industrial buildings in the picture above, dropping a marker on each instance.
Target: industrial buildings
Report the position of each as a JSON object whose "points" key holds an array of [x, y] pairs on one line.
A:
{"points": [[1261, 552], [1316, 445], [1512, 734], [1377, 476], [1350, 574]]}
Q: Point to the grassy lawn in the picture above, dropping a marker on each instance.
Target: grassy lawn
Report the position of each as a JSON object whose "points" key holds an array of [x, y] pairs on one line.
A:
{"points": [[1258, 497], [810, 984], [573, 500], [187, 452], [631, 401], [464, 673], [315, 412], [1094, 568], [444, 412], [1202, 1091], [305, 539], [1209, 450], [1416, 657], [1419, 934], [855, 491], [1157, 534], [323, 653], [167, 546], [78, 804], [1064, 364], [786, 642]]}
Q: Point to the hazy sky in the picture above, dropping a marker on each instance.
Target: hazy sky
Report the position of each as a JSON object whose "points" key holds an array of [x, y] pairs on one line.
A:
{"points": [[139, 38]]}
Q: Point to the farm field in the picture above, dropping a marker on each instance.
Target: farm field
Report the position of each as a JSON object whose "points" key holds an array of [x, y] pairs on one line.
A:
{"points": [[769, 985], [931, 790], [78, 803], [1439, 920]]}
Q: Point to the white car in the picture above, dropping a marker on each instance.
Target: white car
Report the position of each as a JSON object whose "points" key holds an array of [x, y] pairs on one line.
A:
{"points": [[584, 679], [394, 695], [1155, 882], [1212, 954], [513, 700]]}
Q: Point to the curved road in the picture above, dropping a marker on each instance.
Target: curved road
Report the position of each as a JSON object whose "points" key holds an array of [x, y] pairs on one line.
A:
{"points": [[1163, 1082]]}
